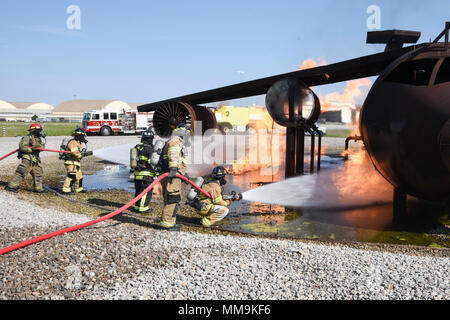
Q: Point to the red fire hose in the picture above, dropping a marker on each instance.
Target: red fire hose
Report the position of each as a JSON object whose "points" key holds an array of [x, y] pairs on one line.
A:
{"points": [[47, 150], [108, 216], [50, 150], [9, 154]]}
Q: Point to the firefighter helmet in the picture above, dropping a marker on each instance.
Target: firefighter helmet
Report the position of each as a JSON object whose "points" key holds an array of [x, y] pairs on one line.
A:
{"points": [[183, 131], [80, 135], [148, 135], [35, 126], [182, 128], [79, 131], [218, 173]]}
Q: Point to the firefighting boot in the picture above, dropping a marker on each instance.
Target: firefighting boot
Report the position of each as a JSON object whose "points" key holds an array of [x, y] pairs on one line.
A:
{"points": [[176, 227], [13, 190]]}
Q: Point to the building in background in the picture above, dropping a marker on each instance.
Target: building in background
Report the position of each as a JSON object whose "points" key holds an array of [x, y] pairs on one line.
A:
{"points": [[337, 112], [67, 111], [24, 111], [73, 110]]}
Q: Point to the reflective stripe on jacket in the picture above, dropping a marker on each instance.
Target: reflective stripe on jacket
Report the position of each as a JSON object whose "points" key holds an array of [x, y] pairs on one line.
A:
{"points": [[27, 152], [174, 153], [74, 157], [144, 153], [214, 189]]}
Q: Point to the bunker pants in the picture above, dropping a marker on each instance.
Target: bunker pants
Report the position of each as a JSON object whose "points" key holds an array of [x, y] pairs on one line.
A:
{"points": [[27, 167]]}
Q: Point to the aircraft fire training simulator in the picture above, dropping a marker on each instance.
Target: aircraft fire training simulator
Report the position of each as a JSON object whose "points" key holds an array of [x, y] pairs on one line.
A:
{"points": [[404, 121]]}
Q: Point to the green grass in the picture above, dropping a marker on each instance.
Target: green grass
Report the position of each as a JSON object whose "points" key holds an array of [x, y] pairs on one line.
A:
{"points": [[14, 129], [339, 133]]}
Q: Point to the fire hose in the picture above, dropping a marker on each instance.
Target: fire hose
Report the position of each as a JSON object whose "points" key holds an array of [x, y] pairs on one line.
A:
{"points": [[106, 217], [40, 149], [9, 154], [87, 224], [121, 210]]}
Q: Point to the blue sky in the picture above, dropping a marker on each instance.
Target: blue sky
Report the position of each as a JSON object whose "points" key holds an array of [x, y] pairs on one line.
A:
{"points": [[143, 51]]}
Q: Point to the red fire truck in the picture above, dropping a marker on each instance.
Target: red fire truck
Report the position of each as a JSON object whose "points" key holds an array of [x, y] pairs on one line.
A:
{"points": [[105, 122]]}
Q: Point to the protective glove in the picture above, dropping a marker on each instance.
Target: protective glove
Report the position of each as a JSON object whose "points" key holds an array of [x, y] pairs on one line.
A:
{"points": [[173, 173]]}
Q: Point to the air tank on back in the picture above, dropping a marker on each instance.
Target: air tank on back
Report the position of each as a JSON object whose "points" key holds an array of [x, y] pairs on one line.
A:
{"points": [[405, 123]]}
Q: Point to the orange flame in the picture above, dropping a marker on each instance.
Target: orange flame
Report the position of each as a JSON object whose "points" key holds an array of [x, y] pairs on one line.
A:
{"points": [[352, 91], [258, 153]]}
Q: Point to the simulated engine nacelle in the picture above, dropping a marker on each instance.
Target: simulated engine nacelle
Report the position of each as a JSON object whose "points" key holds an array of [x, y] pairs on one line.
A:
{"points": [[296, 94], [169, 115]]}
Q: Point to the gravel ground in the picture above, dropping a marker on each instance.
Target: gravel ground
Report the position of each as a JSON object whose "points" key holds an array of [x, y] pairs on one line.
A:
{"points": [[124, 261], [114, 260]]}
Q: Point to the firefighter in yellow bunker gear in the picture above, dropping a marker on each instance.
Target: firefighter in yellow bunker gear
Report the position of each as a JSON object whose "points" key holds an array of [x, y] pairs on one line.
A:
{"points": [[72, 162], [31, 162], [175, 155], [215, 208]]}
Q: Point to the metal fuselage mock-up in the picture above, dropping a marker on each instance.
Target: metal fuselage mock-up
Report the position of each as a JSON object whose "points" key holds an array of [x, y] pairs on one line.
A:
{"points": [[405, 123]]}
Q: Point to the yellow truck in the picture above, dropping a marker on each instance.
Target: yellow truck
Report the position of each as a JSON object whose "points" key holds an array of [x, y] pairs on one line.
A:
{"points": [[239, 119]]}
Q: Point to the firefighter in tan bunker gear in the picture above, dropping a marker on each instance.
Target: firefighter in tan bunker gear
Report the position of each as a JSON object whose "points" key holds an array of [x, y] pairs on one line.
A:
{"points": [[31, 163], [214, 209], [175, 155], [72, 162]]}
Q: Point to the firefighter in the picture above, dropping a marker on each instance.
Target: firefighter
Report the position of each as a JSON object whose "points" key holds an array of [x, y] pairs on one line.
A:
{"points": [[31, 162], [143, 171], [72, 162], [175, 155], [214, 209]]}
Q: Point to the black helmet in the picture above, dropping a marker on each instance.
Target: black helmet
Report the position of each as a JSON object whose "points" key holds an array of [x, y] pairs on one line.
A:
{"points": [[182, 129], [148, 135], [80, 135], [218, 173]]}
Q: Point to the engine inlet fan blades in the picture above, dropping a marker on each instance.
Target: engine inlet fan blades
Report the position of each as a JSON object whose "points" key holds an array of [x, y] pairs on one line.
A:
{"points": [[169, 115]]}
